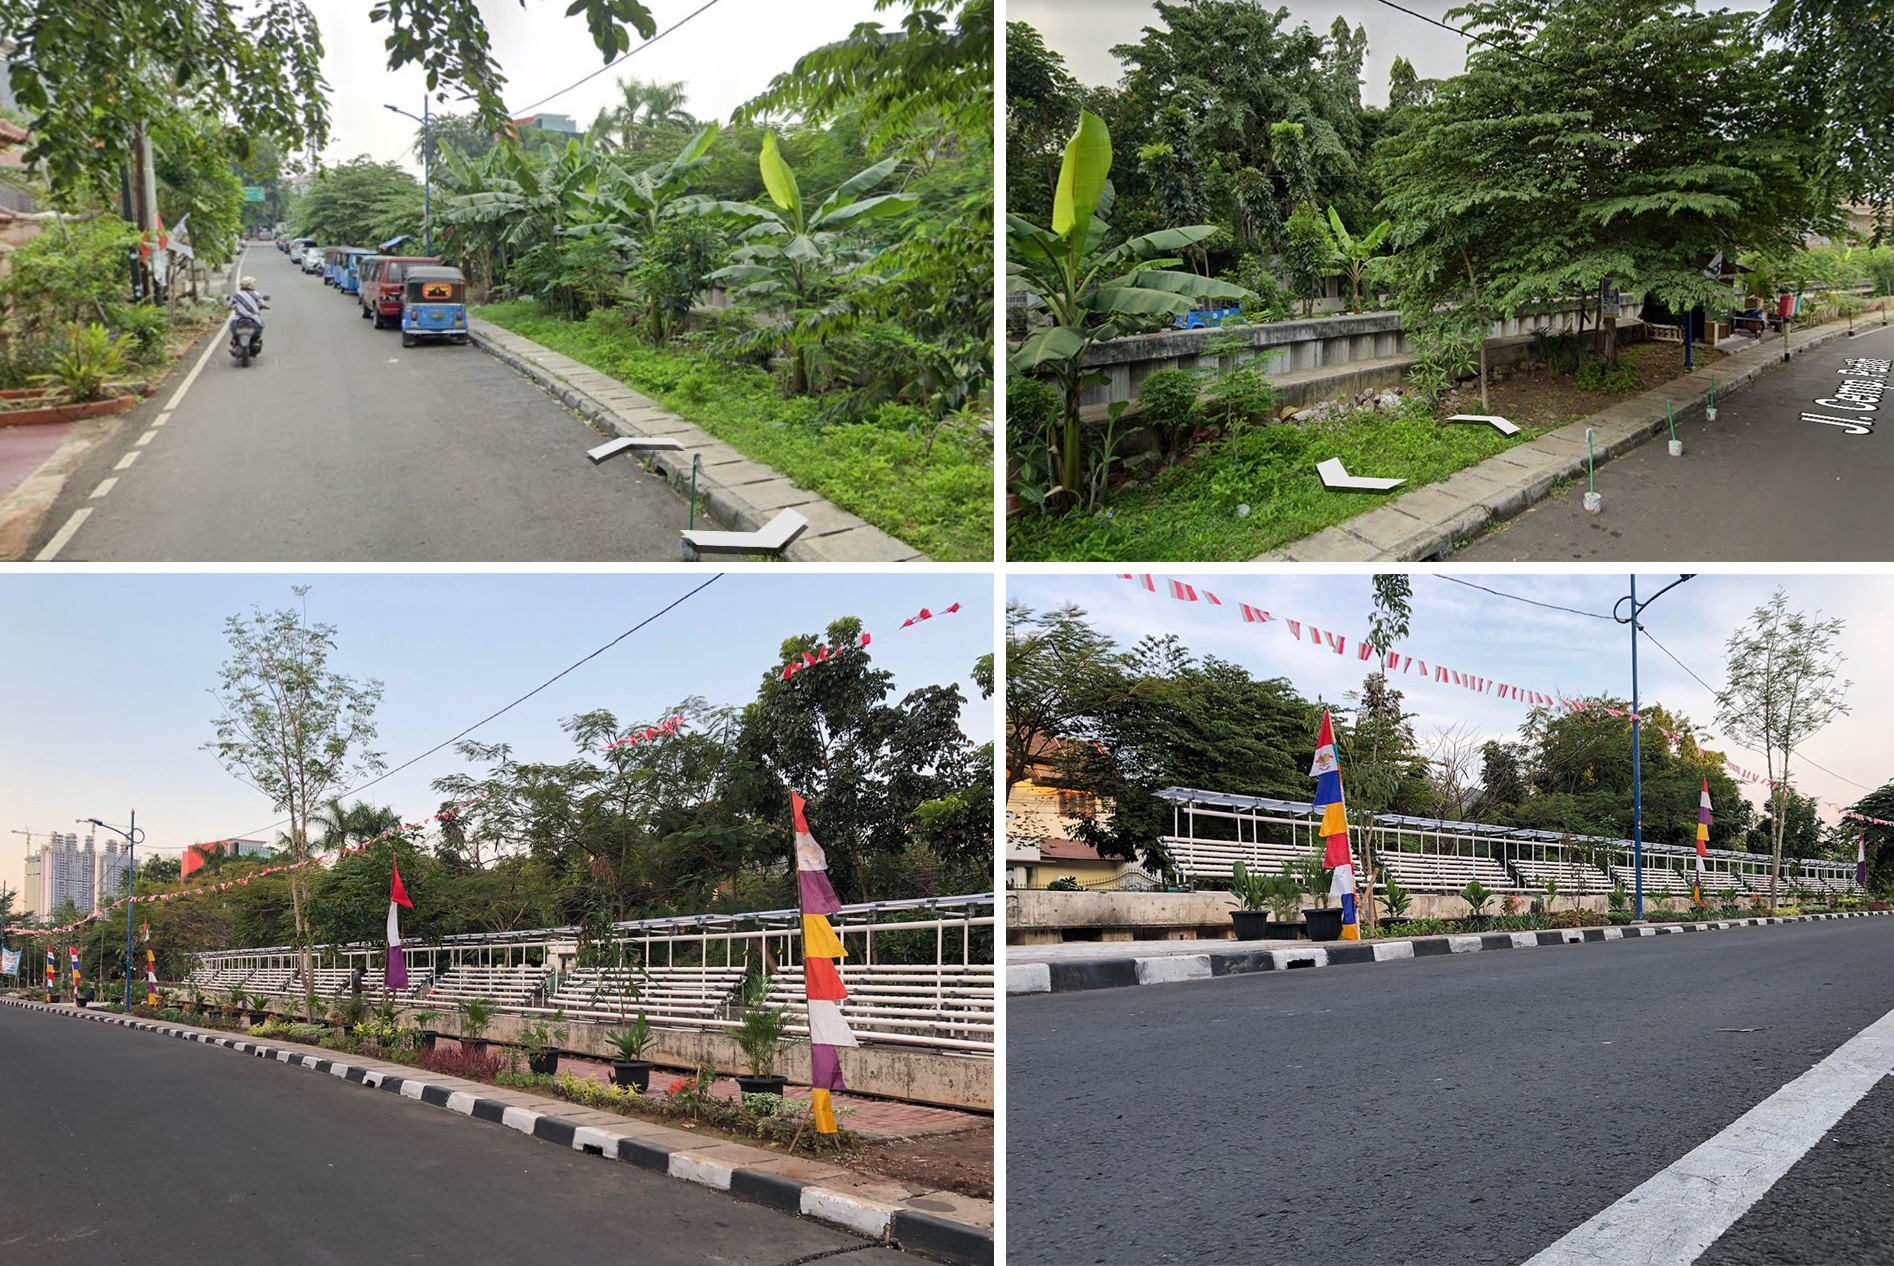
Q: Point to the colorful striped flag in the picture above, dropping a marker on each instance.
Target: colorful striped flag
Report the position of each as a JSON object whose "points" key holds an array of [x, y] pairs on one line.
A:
{"points": [[52, 969], [396, 976], [822, 984], [1861, 861], [151, 969], [1703, 838], [73, 952], [1328, 798]]}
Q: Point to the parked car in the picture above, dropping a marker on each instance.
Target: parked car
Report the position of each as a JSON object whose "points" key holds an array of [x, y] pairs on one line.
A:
{"points": [[381, 299], [312, 259]]}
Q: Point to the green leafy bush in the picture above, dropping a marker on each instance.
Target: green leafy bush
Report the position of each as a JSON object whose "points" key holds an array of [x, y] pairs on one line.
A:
{"points": [[70, 272], [85, 363], [1167, 402], [145, 328], [1595, 376]]}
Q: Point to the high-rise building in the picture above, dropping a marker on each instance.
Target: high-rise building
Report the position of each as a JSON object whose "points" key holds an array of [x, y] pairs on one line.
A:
{"points": [[113, 863], [29, 893], [67, 872]]}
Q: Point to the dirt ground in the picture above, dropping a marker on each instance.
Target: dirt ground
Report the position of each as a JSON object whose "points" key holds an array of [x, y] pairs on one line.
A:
{"points": [[962, 1161], [1534, 396]]}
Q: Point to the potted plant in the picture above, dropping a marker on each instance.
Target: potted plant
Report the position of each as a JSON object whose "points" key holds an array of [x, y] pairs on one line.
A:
{"points": [[1324, 922], [196, 1003], [540, 1042], [1251, 890], [233, 1003], [1283, 896], [1396, 898], [760, 1034], [631, 1068], [1476, 895], [424, 1022], [349, 1013], [475, 1015]]}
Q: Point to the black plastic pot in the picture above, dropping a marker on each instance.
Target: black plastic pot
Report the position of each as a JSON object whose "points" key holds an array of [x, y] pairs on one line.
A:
{"points": [[1324, 924], [1250, 925], [545, 1064], [428, 1038], [474, 1045], [1289, 931], [259, 1017], [754, 1085], [635, 1073]]}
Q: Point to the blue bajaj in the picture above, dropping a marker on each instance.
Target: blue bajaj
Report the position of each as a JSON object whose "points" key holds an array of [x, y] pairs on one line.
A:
{"points": [[433, 304]]}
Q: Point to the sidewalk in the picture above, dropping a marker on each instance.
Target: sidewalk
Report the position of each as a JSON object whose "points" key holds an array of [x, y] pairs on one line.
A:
{"points": [[939, 1224], [1433, 520], [741, 494]]}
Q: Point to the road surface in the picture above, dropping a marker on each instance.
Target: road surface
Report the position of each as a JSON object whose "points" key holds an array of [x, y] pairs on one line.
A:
{"points": [[341, 445], [1456, 1109], [130, 1147], [1760, 484]]}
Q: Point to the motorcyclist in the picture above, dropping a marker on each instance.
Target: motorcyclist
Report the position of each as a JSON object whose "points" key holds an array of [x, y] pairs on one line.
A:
{"points": [[248, 303]]}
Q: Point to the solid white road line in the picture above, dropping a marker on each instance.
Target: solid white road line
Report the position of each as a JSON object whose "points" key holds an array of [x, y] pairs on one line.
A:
{"points": [[1678, 1213], [61, 537], [105, 486], [125, 462], [212, 344]]}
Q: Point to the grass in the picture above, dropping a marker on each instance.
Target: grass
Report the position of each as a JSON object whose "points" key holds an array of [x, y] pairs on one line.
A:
{"points": [[877, 467], [1189, 512]]}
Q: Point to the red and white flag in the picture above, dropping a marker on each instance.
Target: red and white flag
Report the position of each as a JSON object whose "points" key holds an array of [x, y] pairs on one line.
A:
{"points": [[397, 974]]}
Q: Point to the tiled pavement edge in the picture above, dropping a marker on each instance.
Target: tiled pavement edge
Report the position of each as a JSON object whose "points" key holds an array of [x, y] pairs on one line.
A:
{"points": [[740, 493], [864, 1205], [1432, 520], [1228, 958]]}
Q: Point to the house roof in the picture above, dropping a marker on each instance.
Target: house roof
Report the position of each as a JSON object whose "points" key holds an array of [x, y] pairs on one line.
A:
{"points": [[12, 132], [1053, 849]]}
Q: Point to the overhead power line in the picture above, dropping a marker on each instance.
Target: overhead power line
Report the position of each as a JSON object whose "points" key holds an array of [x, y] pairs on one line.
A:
{"points": [[1500, 593], [1468, 35], [621, 59]]}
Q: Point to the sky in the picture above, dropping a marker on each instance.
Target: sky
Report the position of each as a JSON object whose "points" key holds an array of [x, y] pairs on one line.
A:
{"points": [[725, 56], [105, 703], [1084, 33], [1553, 652]]}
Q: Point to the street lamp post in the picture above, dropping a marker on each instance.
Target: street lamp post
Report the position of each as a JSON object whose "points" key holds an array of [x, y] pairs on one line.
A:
{"points": [[427, 173], [131, 835], [1637, 762]]}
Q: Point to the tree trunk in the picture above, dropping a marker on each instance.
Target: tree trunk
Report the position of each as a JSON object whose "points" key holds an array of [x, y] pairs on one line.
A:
{"points": [[1775, 840], [1611, 342], [1484, 406], [1367, 864], [1072, 454]]}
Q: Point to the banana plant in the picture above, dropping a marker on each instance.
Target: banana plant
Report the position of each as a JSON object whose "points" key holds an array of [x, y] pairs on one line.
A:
{"points": [[1355, 252], [800, 261], [1084, 291]]}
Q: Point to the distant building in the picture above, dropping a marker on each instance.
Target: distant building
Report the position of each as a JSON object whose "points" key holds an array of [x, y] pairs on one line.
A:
{"points": [[112, 866], [197, 855], [29, 894], [1042, 820], [66, 871], [560, 123]]}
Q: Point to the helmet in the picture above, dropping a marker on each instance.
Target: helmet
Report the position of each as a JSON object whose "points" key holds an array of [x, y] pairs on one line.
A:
{"points": [[248, 283]]}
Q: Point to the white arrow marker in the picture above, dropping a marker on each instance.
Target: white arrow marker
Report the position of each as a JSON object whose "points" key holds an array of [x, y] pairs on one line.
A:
{"points": [[1499, 424], [1336, 476]]}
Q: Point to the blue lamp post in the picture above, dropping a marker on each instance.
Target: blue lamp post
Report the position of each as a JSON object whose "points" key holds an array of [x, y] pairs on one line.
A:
{"points": [[131, 836], [1637, 761]]}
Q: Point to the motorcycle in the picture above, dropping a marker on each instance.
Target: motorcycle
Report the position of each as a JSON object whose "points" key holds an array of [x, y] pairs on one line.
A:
{"points": [[246, 339]]}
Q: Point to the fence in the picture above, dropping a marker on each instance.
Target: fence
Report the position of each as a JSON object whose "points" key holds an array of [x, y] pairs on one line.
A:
{"points": [[1211, 830]]}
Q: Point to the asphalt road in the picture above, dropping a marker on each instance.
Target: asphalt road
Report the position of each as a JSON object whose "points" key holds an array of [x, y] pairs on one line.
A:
{"points": [[341, 445], [1758, 484], [1453, 1109], [129, 1147]]}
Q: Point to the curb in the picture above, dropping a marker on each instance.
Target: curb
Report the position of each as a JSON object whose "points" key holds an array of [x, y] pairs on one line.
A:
{"points": [[736, 490], [1435, 519], [1113, 973], [915, 1232]]}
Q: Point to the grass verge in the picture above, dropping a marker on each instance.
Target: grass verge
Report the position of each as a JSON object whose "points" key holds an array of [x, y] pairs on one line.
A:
{"points": [[878, 467]]}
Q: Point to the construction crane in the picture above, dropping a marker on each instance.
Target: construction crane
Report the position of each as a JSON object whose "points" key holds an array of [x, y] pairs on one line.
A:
{"points": [[29, 837]]}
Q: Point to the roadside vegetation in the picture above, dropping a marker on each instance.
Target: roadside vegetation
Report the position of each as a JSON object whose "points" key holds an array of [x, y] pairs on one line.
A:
{"points": [[1190, 191]]}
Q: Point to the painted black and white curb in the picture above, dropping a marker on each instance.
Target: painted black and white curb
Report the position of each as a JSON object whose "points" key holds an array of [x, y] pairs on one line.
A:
{"points": [[1158, 969], [941, 1238]]}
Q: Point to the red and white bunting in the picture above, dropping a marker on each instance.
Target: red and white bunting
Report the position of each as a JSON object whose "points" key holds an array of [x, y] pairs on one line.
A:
{"points": [[651, 733], [1411, 667], [925, 614]]}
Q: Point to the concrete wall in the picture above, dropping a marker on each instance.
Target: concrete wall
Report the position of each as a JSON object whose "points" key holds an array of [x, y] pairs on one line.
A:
{"points": [[1295, 347], [916, 1076]]}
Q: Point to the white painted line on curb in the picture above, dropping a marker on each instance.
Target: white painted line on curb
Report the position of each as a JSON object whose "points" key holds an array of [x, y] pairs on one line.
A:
{"points": [[125, 462], [1614, 934], [1159, 970], [63, 536], [1463, 944], [1383, 952], [211, 344], [1679, 1212], [462, 1102], [1525, 940], [707, 1172], [1313, 957], [591, 1136], [845, 1210], [105, 486], [1028, 978], [521, 1119], [411, 1089]]}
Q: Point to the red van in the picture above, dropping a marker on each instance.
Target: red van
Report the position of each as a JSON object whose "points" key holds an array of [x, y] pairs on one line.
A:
{"points": [[381, 286]]}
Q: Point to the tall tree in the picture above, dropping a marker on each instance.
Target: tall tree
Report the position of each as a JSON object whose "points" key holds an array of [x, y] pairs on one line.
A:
{"points": [[1784, 687], [1841, 51], [293, 728]]}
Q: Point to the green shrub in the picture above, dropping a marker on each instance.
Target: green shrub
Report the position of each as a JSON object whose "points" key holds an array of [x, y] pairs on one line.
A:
{"points": [[86, 362], [70, 272], [145, 328], [1238, 397], [1595, 376], [1064, 883], [1167, 402]]}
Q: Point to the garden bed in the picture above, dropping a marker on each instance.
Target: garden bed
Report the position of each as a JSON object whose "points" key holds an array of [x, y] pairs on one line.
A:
{"points": [[881, 467], [36, 408], [1192, 510]]}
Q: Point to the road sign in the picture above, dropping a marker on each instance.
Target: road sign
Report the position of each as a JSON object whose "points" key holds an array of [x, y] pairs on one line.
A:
{"points": [[254, 193]]}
